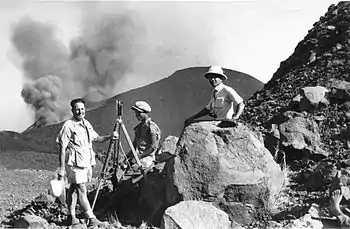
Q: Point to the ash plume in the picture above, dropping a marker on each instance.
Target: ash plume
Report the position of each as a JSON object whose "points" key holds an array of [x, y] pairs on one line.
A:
{"points": [[90, 68], [42, 94], [44, 67], [120, 46]]}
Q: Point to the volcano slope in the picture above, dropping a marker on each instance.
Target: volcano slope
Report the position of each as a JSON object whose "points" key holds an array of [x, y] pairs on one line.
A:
{"points": [[322, 55], [172, 100]]}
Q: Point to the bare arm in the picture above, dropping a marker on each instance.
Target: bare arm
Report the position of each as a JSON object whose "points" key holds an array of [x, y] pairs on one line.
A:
{"points": [[239, 110], [201, 113], [101, 139], [62, 159]]}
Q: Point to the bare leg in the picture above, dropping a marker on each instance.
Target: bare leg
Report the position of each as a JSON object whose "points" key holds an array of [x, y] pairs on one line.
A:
{"points": [[84, 202], [72, 199], [335, 199]]}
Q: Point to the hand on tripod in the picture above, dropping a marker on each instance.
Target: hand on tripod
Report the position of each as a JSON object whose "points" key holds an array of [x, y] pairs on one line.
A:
{"points": [[129, 164], [115, 135]]}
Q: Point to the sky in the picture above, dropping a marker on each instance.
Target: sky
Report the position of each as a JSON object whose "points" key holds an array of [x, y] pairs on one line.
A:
{"points": [[154, 40]]}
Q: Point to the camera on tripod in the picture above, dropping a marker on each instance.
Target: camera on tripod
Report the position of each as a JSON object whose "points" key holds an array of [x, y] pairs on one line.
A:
{"points": [[119, 108]]}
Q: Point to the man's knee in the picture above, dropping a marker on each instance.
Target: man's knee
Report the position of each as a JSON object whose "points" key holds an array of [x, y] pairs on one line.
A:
{"points": [[82, 189]]}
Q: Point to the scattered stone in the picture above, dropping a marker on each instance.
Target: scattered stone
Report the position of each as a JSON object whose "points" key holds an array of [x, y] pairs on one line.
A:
{"points": [[304, 222], [195, 214], [321, 176], [30, 221], [310, 98], [340, 89]]}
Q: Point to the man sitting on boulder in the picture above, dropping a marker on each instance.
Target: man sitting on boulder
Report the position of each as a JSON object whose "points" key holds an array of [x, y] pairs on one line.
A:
{"points": [[225, 103]]}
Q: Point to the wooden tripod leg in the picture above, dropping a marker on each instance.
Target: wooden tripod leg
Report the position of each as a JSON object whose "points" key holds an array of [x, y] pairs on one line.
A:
{"points": [[131, 146], [105, 166]]}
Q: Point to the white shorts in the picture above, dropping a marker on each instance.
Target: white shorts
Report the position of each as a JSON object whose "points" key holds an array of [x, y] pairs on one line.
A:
{"points": [[78, 175]]}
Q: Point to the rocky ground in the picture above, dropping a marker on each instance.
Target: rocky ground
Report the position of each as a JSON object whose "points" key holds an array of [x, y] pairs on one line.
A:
{"points": [[19, 187], [322, 55]]}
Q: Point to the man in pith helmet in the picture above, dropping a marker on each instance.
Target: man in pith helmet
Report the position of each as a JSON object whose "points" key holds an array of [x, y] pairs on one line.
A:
{"points": [[225, 103]]}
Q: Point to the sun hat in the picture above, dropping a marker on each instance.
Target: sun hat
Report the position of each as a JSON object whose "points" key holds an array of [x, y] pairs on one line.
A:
{"points": [[141, 106], [216, 70]]}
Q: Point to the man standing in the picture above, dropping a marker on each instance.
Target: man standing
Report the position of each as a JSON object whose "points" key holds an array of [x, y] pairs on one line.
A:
{"points": [[75, 139], [224, 103], [147, 134]]}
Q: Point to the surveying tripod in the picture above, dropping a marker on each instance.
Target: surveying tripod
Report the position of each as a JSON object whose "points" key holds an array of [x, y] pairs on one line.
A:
{"points": [[115, 147]]}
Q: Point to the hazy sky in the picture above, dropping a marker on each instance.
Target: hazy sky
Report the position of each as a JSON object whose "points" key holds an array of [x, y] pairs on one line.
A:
{"points": [[248, 36]]}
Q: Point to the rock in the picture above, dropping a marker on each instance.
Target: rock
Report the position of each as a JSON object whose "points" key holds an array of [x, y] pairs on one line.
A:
{"points": [[311, 98], [30, 221], [321, 176], [83, 226], [165, 151], [227, 166], [44, 197], [304, 222], [152, 191], [312, 57], [274, 225], [340, 89], [332, 63], [300, 134], [195, 214]]}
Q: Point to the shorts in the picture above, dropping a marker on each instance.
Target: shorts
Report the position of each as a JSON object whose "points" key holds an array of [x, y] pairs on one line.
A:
{"points": [[77, 175]]}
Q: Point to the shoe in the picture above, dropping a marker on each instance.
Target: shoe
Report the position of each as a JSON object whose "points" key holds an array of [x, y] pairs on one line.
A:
{"points": [[94, 222], [72, 220]]}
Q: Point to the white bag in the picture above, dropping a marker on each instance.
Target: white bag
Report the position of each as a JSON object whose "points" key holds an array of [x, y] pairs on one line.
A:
{"points": [[56, 187]]}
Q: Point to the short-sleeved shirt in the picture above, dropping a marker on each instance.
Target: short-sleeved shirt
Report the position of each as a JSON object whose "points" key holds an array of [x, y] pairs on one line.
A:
{"points": [[147, 134], [77, 137], [224, 101]]}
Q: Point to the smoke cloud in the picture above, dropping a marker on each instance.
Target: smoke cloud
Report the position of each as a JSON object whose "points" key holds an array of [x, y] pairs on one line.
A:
{"points": [[121, 46]]}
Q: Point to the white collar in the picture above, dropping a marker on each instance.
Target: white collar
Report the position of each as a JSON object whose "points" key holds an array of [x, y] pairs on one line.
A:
{"points": [[219, 87], [79, 122]]}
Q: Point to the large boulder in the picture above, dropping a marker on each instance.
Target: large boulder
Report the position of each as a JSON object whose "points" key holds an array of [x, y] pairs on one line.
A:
{"points": [[227, 166], [195, 214], [297, 135]]}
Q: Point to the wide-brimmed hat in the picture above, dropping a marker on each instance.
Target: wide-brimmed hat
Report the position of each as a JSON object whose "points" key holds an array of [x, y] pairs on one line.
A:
{"points": [[142, 106], [215, 70]]}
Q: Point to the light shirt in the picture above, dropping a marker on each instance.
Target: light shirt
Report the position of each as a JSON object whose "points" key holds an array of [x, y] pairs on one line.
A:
{"points": [[223, 101], [77, 137], [147, 135]]}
